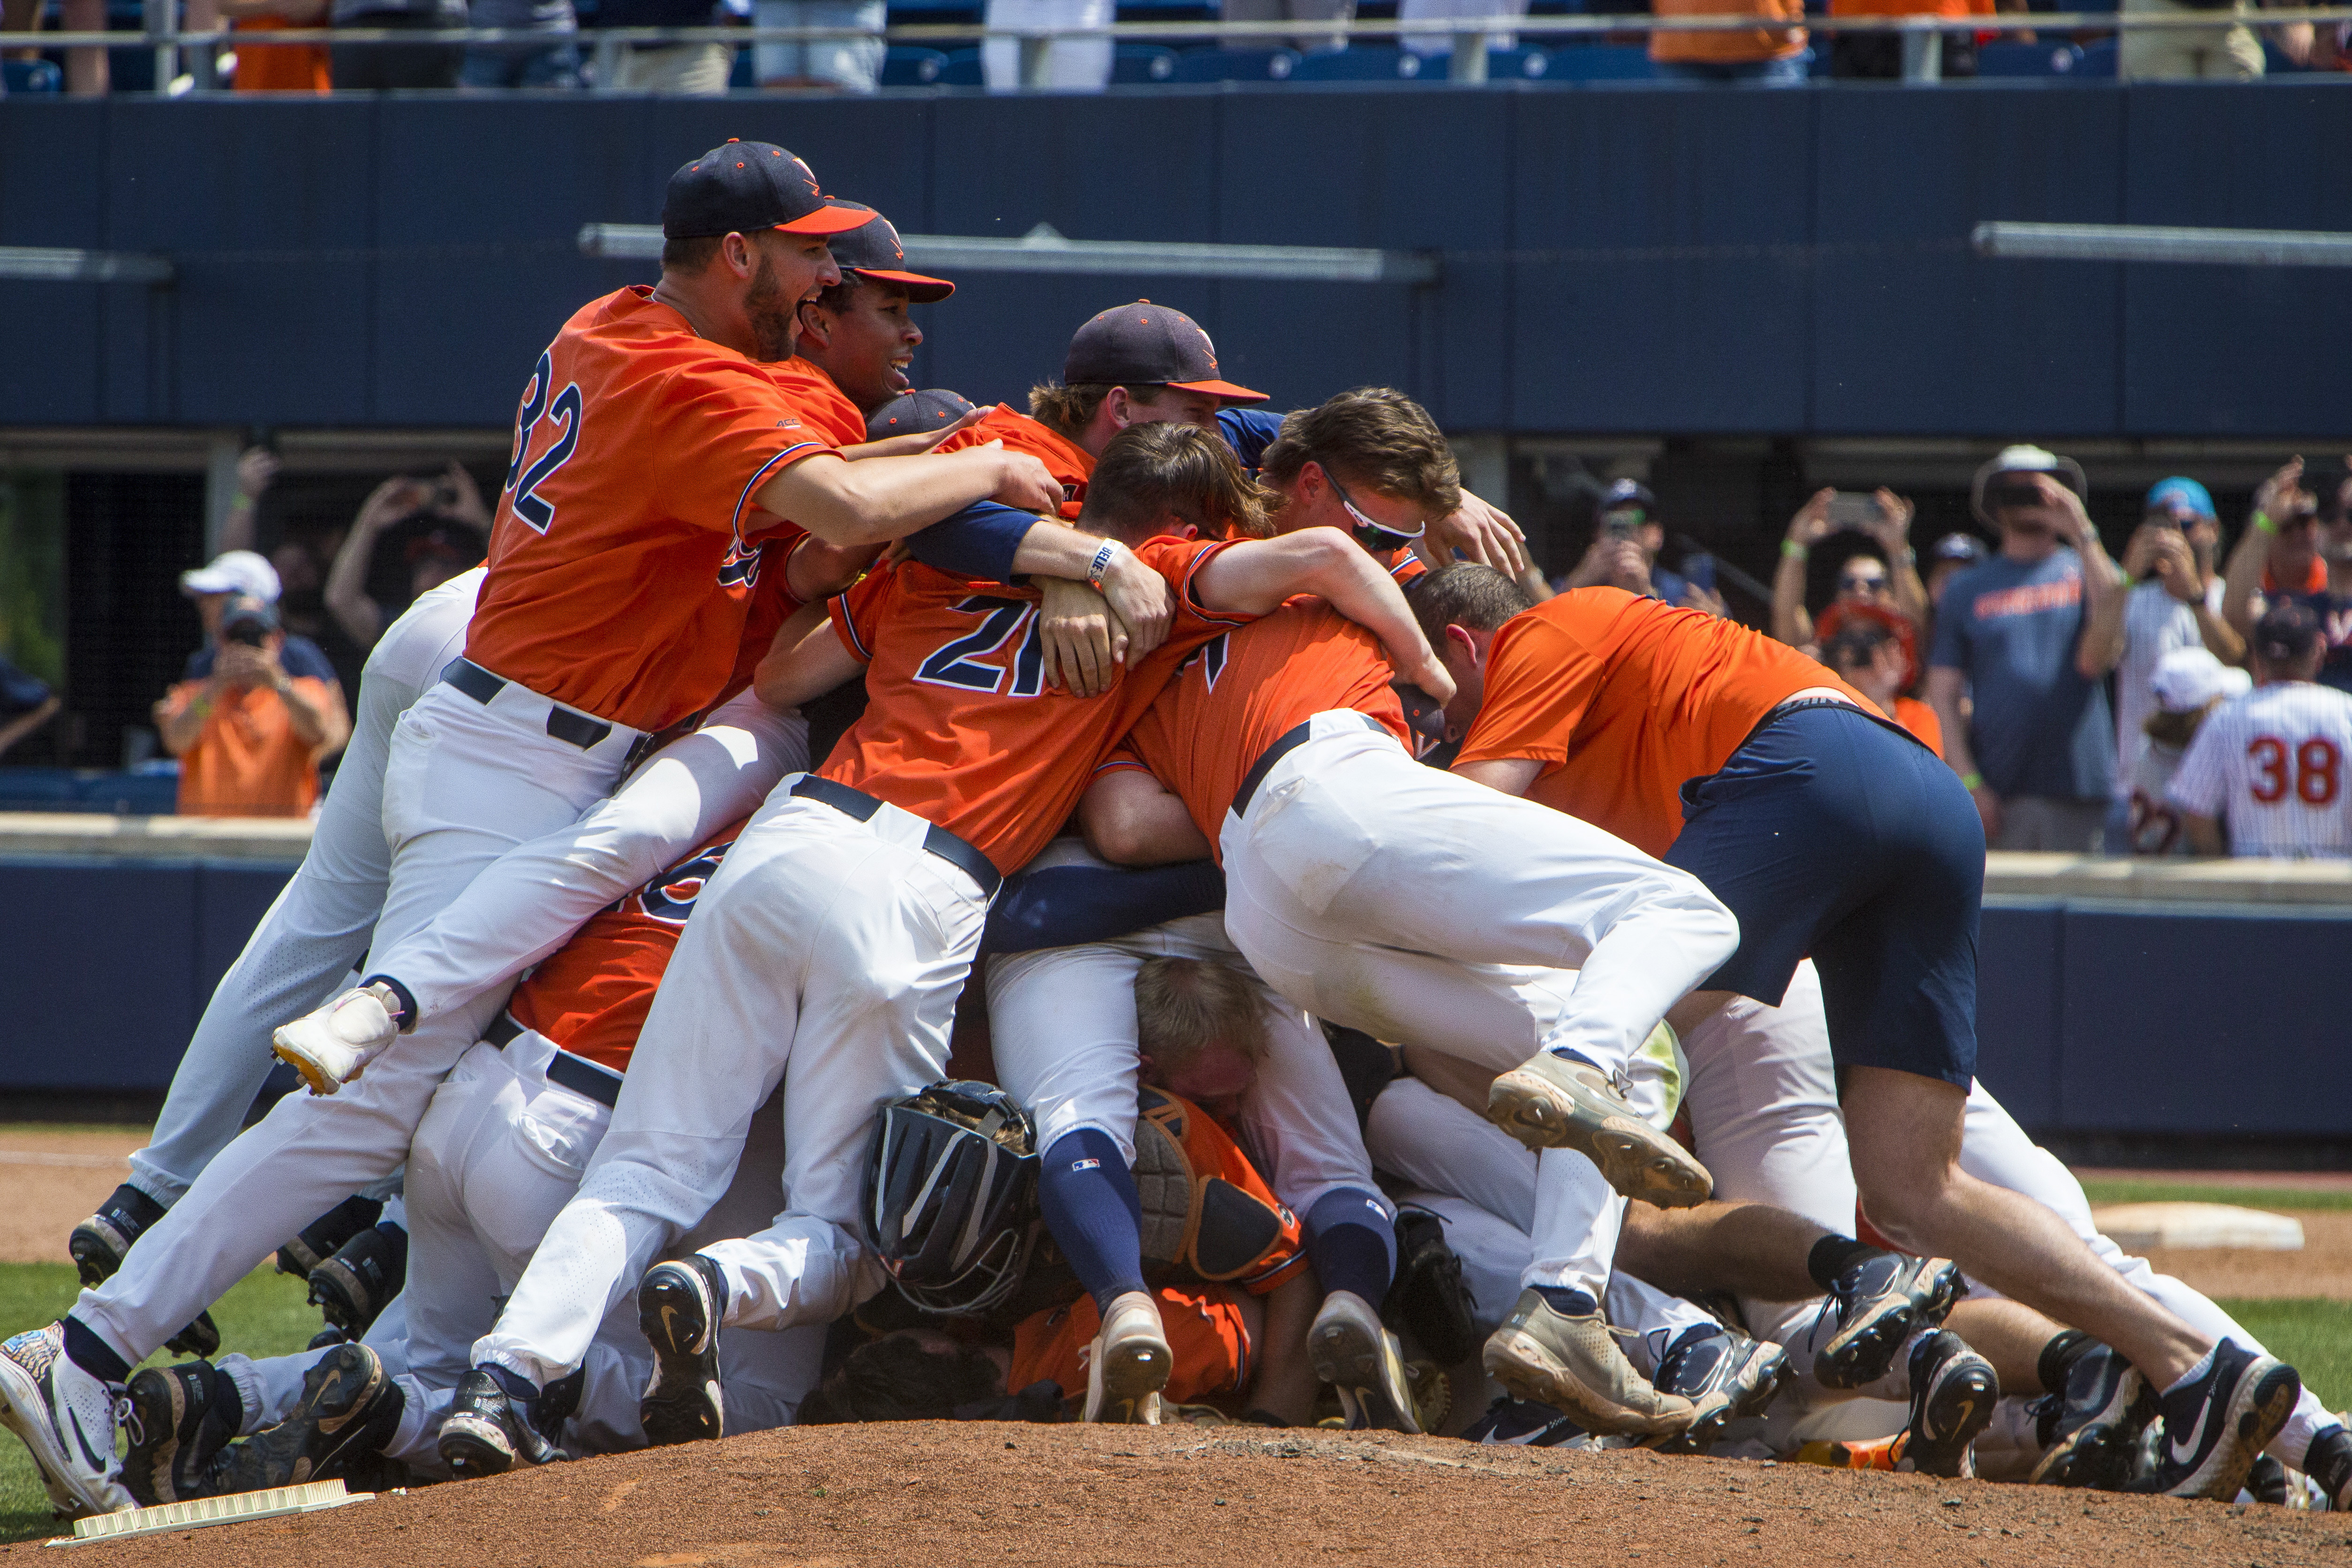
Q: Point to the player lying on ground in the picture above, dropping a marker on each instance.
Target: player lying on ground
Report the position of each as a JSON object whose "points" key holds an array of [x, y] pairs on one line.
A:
{"points": [[1832, 833]]}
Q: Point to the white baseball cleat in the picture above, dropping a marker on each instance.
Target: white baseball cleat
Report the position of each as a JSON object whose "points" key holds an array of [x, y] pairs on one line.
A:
{"points": [[66, 1418], [1128, 1363], [1551, 1101], [329, 1048], [1358, 1357]]}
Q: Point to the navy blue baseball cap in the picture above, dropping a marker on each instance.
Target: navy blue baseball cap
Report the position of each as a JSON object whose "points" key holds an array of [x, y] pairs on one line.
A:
{"points": [[1629, 494], [741, 187], [2288, 630], [916, 412], [873, 250], [1144, 344]]}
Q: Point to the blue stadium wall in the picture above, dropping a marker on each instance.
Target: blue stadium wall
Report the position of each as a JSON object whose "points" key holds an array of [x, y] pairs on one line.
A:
{"points": [[1617, 258]]}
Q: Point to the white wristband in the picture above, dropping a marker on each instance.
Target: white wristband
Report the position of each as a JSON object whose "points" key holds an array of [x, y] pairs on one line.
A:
{"points": [[1101, 563]]}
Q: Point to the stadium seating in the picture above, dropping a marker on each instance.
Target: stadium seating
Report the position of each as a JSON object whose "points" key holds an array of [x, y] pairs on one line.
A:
{"points": [[1525, 63], [963, 69], [1600, 62], [1235, 65], [2098, 61], [906, 65], [1143, 63], [31, 76], [1362, 64], [2028, 60]]}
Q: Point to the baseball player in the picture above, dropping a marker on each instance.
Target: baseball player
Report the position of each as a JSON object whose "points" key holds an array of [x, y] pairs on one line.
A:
{"points": [[857, 330], [499, 1153], [1831, 832], [653, 427], [2187, 685], [2270, 765], [832, 944]]}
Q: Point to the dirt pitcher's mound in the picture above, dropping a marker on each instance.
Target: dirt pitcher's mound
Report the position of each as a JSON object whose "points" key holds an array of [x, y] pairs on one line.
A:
{"points": [[932, 1494]]}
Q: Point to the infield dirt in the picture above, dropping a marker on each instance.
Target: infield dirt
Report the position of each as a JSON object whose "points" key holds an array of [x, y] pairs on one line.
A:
{"points": [[934, 1494]]}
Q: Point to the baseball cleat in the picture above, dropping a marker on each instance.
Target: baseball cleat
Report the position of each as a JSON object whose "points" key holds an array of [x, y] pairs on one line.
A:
{"points": [[351, 1289], [1879, 1302], [325, 1237], [65, 1417], [680, 1307], [1726, 1375], [1522, 1423], [2090, 1429], [1353, 1351], [333, 1046], [177, 1417], [1953, 1391], [350, 1409], [1128, 1363], [2328, 1463], [1569, 1359], [2214, 1428], [99, 1243], [1551, 1102], [490, 1429]]}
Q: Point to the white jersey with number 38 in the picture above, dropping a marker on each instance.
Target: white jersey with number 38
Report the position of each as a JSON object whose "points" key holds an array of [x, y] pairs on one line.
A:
{"points": [[2273, 765]]}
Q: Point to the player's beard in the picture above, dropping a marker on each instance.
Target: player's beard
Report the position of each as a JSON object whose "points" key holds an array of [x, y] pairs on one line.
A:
{"points": [[774, 319]]}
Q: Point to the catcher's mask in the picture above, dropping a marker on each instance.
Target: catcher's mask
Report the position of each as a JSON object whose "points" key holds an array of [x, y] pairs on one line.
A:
{"points": [[951, 1196]]}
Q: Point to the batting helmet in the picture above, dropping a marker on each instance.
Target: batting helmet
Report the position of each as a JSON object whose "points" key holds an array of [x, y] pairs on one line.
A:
{"points": [[951, 1195]]}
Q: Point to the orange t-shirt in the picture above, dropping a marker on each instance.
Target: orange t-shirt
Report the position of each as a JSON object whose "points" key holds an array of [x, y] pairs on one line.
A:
{"points": [[591, 994], [1911, 7], [624, 556], [1208, 1344], [1064, 459], [279, 68], [1624, 699], [959, 727], [1731, 47], [248, 761], [1244, 690], [1920, 720]]}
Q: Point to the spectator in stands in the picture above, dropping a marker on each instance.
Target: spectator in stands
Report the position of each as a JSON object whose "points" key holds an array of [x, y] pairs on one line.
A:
{"points": [[834, 65], [257, 470], [87, 74], [1884, 573], [263, 68], [1883, 56], [26, 704], [1868, 649], [2174, 602], [2038, 752], [2271, 764], [2297, 545], [1953, 553], [1772, 56], [684, 70], [1286, 11], [1626, 539], [397, 67], [240, 573], [2179, 54], [249, 736], [1465, 16], [552, 63], [447, 529], [2188, 683]]}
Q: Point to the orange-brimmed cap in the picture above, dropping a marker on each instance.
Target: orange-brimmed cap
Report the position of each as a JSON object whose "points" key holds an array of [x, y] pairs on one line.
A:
{"points": [[1144, 344], [740, 187], [873, 250]]}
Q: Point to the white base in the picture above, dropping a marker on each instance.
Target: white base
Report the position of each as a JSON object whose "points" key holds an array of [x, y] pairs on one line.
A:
{"points": [[204, 1511], [2136, 1227]]}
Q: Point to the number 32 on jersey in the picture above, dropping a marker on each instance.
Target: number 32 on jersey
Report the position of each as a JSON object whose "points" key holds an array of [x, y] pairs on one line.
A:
{"points": [[559, 415]]}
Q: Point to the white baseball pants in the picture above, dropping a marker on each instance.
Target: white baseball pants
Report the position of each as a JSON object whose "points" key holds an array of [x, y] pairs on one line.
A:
{"points": [[465, 783], [1424, 909], [827, 954], [528, 903], [317, 927], [1062, 1025]]}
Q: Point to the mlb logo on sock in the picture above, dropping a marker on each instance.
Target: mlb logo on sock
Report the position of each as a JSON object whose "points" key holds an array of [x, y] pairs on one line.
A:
{"points": [[1086, 1164]]}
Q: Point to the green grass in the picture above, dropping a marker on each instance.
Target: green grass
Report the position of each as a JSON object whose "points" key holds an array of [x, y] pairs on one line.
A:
{"points": [[266, 1313], [2190, 1191], [122, 1128], [2314, 1337]]}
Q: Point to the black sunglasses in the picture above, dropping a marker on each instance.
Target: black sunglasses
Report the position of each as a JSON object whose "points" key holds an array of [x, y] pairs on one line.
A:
{"points": [[1371, 534]]}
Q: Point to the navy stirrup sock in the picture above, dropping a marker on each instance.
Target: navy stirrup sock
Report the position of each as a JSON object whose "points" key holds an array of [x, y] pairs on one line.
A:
{"points": [[1095, 1213], [94, 1355], [1353, 1243]]}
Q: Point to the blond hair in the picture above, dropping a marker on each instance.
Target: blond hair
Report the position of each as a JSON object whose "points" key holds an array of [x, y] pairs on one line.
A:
{"points": [[1182, 1006]]}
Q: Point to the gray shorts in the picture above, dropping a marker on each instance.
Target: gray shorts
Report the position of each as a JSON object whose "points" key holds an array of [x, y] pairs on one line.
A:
{"points": [[854, 65]]}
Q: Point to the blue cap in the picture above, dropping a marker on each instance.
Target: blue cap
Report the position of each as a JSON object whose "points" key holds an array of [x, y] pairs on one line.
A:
{"points": [[2180, 492]]}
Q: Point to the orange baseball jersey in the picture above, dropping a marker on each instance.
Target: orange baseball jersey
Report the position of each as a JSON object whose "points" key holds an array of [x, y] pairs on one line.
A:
{"points": [[1066, 461], [1920, 720], [591, 994], [1622, 698], [1208, 1342], [1243, 690], [959, 727], [624, 554], [772, 604]]}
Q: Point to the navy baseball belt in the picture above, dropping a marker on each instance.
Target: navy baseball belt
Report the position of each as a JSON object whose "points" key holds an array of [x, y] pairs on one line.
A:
{"points": [[937, 840], [1289, 742], [578, 1074], [573, 728]]}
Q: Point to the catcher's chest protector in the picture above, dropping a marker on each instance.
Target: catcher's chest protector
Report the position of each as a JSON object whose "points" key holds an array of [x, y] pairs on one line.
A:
{"points": [[1193, 1221]]}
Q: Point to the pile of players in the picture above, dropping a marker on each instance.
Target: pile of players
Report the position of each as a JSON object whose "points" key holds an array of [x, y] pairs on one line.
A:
{"points": [[1570, 1068]]}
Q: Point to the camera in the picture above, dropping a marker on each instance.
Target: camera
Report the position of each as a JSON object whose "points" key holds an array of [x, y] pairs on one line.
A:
{"points": [[248, 624], [1855, 511]]}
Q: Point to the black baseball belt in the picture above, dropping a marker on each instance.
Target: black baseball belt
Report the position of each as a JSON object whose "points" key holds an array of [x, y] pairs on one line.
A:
{"points": [[1289, 742], [937, 840], [573, 728], [578, 1074]]}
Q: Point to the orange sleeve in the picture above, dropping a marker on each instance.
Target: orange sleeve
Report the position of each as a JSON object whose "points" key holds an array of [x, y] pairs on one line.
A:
{"points": [[1179, 560], [1539, 681], [726, 430], [1920, 718], [857, 614]]}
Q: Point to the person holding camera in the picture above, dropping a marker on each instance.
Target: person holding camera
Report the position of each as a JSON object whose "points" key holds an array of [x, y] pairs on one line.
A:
{"points": [[249, 735], [452, 535], [1624, 553], [2038, 752], [2298, 545], [1886, 578]]}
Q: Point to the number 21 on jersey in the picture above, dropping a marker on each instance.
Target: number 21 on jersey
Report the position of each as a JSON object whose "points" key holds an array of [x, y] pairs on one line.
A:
{"points": [[964, 662], [560, 414]]}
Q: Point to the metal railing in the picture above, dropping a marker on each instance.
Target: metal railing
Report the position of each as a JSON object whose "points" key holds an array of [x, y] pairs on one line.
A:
{"points": [[1467, 34]]}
